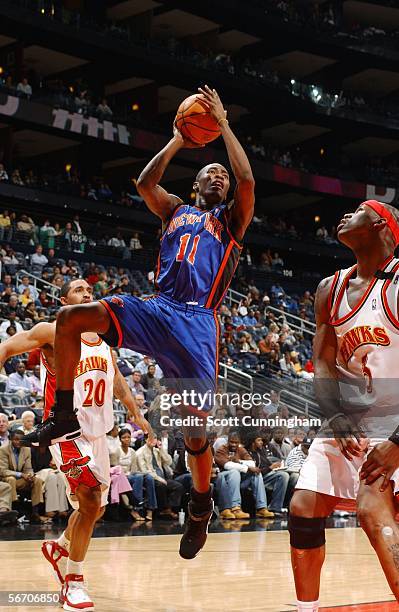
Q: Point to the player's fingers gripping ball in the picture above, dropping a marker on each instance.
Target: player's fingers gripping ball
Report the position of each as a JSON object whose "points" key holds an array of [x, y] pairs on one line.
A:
{"points": [[195, 122]]}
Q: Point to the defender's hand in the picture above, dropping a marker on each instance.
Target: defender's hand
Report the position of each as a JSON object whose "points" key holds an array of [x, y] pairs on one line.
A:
{"points": [[382, 461], [351, 441], [214, 103]]}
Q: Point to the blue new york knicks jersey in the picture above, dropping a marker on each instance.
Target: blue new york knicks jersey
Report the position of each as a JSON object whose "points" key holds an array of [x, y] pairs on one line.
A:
{"points": [[198, 256]]}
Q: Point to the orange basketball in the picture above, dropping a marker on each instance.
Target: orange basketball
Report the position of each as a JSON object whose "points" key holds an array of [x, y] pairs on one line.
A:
{"points": [[194, 121]]}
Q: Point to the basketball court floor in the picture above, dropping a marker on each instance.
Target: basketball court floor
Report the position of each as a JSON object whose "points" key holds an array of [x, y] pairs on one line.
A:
{"points": [[244, 568]]}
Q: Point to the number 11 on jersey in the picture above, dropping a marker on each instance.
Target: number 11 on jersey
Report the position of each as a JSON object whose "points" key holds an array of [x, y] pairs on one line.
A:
{"points": [[184, 240]]}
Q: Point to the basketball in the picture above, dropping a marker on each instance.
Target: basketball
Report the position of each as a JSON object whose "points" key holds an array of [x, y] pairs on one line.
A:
{"points": [[194, 121]]}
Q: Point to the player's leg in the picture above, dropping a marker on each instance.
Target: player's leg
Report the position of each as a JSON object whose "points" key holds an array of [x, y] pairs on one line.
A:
{"points": [[376, 512], [308, 511], [72, 321]]}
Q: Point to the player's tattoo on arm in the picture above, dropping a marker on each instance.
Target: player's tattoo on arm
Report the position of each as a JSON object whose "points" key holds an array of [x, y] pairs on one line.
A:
{"points": [[394, 549]]}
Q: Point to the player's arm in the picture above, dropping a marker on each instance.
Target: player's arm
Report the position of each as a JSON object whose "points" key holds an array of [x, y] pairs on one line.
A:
{"points": [[383, 460], [158, 200], [326, 385], [39, 336], [124, 394], [242, 210]]}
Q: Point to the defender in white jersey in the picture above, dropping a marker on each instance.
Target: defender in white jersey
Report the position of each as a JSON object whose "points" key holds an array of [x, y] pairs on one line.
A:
{"points": [[356, 361], [84, 460]]}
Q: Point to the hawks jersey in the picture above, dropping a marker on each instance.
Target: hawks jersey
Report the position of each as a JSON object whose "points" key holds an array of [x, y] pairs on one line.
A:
{"points": [[198, 256], [368, 347], [93, 388]]}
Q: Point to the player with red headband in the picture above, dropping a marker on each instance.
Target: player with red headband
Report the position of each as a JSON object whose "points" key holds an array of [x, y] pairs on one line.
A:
{"points": [[356, 455]]}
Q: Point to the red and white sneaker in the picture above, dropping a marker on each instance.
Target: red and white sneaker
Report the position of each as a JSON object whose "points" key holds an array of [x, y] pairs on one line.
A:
{"points": [[75, 594], [57, 556]]}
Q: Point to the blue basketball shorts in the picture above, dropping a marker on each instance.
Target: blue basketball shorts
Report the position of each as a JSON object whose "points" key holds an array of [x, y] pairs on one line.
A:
{"points": [[182, 338]]}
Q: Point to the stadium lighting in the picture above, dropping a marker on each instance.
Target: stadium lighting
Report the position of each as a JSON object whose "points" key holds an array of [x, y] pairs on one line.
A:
{"points": [[135, 107], [292, 81], [317, 219], [1, 69], [68, 167]]}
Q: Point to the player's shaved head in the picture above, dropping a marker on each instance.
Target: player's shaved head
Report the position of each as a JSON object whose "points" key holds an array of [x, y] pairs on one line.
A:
{"points": [[209, 166]]}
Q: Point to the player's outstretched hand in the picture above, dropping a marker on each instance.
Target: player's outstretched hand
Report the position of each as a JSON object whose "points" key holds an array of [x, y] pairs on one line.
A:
{"points": [[382, 461], [214, 103], [184, 142], [351, 441]]}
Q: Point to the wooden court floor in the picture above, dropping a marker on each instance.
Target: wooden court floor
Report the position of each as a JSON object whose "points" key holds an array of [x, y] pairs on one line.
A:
{"points": [[237, 572]]}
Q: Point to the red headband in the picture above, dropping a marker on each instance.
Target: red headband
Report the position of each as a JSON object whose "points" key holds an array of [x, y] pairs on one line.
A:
{"points": [[385, 214]]}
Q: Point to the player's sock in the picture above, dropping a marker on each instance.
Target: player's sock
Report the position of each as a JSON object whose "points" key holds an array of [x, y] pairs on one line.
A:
{"points": [[75, 567], [65, 400], [63, 541], [307, 606], [201, 501]]}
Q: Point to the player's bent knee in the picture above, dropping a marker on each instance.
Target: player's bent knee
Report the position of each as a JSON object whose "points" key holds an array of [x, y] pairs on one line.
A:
{"points": [[89, 500], [306, 533]]}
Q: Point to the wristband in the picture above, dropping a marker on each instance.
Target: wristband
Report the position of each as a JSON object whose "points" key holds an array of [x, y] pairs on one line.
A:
{"points": [[395, 437], [223, 119]]}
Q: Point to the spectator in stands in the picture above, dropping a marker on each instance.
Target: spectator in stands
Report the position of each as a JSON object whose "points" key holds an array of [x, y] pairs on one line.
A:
{"points": [[125, 285], [3, 174], [27, 226], [36, 383], [104, 192], [135, 383], [53, 483], [296, 459], [28, 421], [13, 307], [102, 285], [16, 470], [82, 102], [76, 225], [16, 178], [273, 479], [25, 284], [181, 472], [104, 110], [143, 485], [10, 259], [7, 515], [142, 366], [113, 444], [152, 459], [4, 434], [19, 381], [10, 327], [5, 221], [242, 473], [279, 442], [322, 233], [31, 312], [38, 261], [151, 383], [25, 297], [24, 88], [135, 243]]}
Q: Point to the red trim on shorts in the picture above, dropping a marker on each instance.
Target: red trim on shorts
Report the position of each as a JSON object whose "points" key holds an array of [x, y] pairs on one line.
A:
{"points": [[71, 455], [115, 321], [46, 364]]}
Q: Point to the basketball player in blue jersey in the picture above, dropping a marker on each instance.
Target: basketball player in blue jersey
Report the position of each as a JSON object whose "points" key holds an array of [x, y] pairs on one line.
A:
{"points": [[200, 249]]}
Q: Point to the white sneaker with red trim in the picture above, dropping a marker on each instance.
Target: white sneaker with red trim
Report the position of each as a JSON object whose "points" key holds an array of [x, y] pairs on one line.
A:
{"points": [[75, 594], [57, 556]]}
